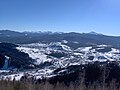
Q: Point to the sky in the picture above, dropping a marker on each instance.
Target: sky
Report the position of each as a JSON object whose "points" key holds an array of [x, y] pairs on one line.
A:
{"points": [[102, 16]]}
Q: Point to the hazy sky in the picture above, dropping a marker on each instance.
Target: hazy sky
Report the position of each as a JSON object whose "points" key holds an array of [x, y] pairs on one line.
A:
{"points": [[102, 16]]}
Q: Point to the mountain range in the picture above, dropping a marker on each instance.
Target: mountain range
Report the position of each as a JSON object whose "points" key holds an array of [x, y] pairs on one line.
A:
{"points": [[48, 55], [74, 39]]}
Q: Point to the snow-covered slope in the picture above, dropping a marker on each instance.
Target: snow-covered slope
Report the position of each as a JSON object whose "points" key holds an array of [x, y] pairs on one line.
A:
{"points": [[54, 55], [61, 55], [35, 54]]}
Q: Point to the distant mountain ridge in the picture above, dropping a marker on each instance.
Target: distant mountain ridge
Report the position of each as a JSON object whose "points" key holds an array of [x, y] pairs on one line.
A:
{"points": [[74, 39], [94, 33]]}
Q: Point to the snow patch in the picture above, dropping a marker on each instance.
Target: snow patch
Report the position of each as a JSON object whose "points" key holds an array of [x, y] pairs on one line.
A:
{"points": [[64, 41], [85, 49], [35, 54]]}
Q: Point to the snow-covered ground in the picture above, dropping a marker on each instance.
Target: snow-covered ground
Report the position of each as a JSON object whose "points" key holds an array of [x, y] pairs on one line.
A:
{"points": [[35, 54], [40, 52]]}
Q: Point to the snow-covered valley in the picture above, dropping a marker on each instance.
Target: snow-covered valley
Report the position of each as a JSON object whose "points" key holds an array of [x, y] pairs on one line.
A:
{"points": [[55, 55]]}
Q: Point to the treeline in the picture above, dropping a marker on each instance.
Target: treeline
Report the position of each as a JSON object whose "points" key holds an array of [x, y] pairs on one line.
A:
{"points": [[29, 85], [97, 76]]}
